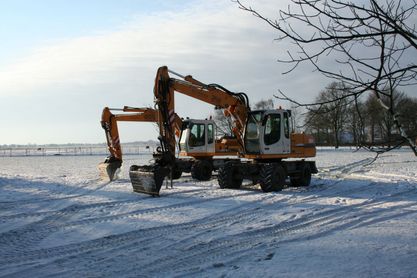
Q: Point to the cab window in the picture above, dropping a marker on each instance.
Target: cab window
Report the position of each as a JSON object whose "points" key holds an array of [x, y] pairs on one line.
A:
{"points": [[272, 129], [197, 135], [210, 134], [286, 125]]}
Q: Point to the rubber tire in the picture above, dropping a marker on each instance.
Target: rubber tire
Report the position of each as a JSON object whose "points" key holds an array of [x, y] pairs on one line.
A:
{"points": [[201, 170], [303, 179], [272, 177], [229, 176]]}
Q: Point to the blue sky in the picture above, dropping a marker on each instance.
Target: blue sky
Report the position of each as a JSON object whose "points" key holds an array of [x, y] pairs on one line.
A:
{"points": [[62, 62]]}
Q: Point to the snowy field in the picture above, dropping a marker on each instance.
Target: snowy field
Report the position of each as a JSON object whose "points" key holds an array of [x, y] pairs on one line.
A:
{"points": [[355, 220]]}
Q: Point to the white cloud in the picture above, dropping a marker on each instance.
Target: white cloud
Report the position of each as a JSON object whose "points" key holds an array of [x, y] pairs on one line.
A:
{"points": [[214, 41], [194, 38]]}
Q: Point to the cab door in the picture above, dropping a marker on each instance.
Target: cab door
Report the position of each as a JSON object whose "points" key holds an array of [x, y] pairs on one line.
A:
{"points": [[201, 137], [197, 138], [275, 137]]}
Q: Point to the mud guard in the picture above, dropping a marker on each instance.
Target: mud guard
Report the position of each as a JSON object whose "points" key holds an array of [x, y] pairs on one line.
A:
{"points": [[148, 179], [108, 170]]}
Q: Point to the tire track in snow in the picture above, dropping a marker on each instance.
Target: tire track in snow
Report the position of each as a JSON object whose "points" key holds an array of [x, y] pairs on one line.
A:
{"points": [[10, 205], [13, 204], [224, 248], [48, 215], [80, 208], [25, 237], [344, 170], [57, 221], [113, 241], [202, 225], [148, 237], [106, 242]]}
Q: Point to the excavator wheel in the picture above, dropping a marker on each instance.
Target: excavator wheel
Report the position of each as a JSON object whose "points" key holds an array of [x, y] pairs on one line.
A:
{"points": [[109, 170], [148, 178], [201, 170], [303, 178], [230, 176], [272, 177]]}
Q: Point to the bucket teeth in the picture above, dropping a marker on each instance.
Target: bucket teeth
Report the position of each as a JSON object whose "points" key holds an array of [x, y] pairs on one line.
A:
{"points": [[109, 170], [147, 179]]}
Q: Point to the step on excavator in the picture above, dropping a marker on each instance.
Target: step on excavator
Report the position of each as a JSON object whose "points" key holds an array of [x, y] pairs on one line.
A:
{"points": [[269, 152], [200, 154]]}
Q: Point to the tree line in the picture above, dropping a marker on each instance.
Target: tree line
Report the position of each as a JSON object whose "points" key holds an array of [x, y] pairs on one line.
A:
{"points": [[340, 118]]}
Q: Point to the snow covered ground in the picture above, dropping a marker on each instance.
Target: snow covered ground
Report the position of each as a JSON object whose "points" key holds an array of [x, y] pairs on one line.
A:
{"points": [[355, 220]]}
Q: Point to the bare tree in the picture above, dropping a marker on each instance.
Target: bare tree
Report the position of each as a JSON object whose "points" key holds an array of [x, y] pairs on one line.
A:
{"points": [[264, 104], [373, 120], [225, 124], [331, 115], [408, 116], [296, 118], [355, 126], [372, 46], [330, 120]]}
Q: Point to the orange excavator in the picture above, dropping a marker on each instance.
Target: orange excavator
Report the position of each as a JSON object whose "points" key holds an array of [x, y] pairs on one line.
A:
{"points": [[113, 162], [264, 138], [201, 149]]}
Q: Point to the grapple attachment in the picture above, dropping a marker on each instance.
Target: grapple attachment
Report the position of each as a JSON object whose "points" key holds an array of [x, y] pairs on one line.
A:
{"points": [[109, 170], [147, 179]]}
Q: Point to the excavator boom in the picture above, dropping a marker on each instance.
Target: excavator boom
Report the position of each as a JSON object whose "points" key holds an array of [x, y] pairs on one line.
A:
{"points": [[234, 104], [109, 168]]}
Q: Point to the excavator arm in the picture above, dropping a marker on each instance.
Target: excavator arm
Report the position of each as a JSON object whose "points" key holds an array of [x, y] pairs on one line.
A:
{"points": [[235, 105], [148, 179], [109, 124], [109, 121]]}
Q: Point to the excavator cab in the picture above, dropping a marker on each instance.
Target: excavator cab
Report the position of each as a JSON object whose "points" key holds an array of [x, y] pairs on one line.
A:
{"points": [[268, 132], [197, 138]]}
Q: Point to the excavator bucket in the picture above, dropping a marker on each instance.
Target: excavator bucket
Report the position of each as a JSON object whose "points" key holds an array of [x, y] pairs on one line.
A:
{"points": [[109, 170], [147, 179]]}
